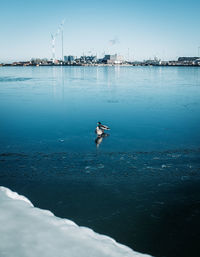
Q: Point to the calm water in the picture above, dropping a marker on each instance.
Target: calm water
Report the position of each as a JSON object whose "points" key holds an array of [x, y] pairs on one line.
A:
{"points": [[141, 185]]}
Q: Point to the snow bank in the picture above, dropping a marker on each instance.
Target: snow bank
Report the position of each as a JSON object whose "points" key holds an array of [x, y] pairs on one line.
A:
{"points": [[29, 231]]}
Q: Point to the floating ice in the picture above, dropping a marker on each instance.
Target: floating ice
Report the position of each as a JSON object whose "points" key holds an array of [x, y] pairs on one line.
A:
{"points": [[13, 79], [27, 231]]}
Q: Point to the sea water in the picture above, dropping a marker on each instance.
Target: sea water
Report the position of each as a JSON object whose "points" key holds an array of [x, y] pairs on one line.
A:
{"points": [[139, 184]]}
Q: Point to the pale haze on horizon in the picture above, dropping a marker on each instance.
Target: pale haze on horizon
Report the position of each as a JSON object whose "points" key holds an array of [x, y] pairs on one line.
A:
{"points": [[137, 30]]}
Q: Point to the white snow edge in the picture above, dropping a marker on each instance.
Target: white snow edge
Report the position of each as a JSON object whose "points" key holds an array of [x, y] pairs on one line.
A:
{"points": [[29, 231]]}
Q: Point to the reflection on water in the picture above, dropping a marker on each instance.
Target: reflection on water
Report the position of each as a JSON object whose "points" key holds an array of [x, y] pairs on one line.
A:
{"points": [[99, 139]]}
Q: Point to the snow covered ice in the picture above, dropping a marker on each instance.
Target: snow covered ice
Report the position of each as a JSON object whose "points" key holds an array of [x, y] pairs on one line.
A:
{"points": [[27, 231]]}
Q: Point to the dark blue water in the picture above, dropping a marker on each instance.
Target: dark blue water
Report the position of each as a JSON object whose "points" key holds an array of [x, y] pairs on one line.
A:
{"points": [[141, 186]]}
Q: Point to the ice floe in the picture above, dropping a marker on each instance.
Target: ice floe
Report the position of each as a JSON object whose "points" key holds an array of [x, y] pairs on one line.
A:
{"points": [[27, 231]]}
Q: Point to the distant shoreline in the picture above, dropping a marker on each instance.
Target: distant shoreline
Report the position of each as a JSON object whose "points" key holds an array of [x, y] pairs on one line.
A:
{"points": [[100, 65]]}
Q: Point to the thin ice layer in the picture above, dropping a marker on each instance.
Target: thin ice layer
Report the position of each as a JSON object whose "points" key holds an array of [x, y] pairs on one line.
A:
{"points": [[27, 231]]}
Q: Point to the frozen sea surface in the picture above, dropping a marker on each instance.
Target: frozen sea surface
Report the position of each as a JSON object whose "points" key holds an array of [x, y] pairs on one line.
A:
{"points": [[141, 184], [137, 198]]}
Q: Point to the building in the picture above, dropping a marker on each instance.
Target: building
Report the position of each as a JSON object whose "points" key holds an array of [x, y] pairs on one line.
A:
{"points": [[69, 59], [154, 62], [113, 59], [187, 59], [88, 59]]}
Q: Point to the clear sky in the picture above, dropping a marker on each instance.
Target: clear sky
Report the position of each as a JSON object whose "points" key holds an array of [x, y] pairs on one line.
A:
{"points": [[139, 29]]}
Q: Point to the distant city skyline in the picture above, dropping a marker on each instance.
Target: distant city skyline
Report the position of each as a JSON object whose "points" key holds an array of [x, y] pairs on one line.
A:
{"points": [[137, 30]]}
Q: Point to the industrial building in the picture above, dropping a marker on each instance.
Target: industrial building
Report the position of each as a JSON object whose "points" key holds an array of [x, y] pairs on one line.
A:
{"points": [[113, 59]]}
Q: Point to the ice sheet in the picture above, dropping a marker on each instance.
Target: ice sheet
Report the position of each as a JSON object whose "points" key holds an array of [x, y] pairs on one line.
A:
{"points": [[27, 231]]}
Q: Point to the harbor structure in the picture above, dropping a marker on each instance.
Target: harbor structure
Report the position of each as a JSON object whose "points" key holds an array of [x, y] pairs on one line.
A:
{"points": [[106, 60]]}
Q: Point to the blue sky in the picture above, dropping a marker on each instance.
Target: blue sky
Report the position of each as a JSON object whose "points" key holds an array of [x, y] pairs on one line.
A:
{"points": [[138, 29]]}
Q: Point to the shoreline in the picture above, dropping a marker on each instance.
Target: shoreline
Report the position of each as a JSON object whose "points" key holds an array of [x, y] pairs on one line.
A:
{"points": [[98, 65]]}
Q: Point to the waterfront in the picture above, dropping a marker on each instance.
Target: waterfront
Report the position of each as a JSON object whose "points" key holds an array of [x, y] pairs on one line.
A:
{"points": [[141, 185]]}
